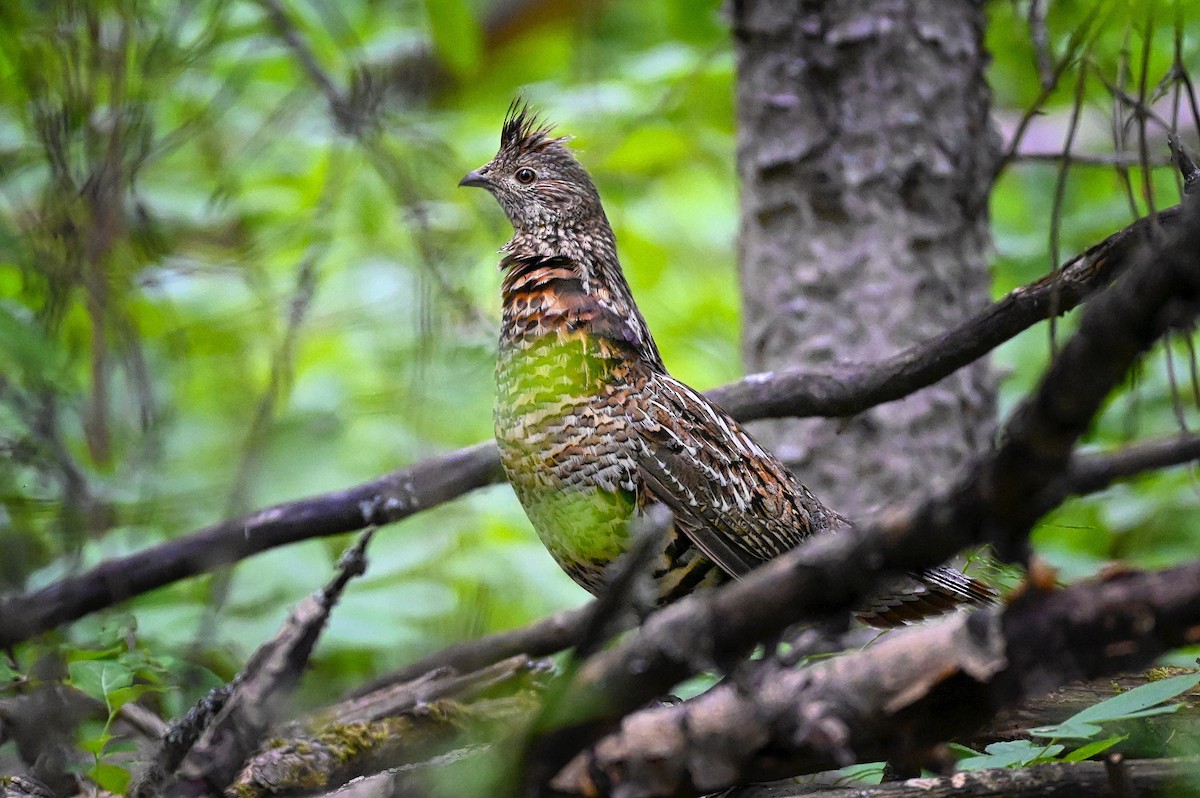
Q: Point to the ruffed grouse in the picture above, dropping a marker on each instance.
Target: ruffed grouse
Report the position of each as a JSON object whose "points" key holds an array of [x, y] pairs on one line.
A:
{"points": [[592, 428]]}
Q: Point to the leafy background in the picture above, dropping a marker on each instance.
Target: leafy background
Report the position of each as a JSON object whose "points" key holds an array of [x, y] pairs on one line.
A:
{"points": [[216, 293]]}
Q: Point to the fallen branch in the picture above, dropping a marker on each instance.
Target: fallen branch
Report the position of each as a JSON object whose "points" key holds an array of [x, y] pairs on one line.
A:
{"points": [[1146, 737], [393, 727], [1062, 779], [897, 698]]}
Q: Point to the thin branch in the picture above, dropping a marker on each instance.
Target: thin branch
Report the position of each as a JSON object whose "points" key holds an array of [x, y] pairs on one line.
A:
{"points": [[851, 388], [1121, 159], [1060, 192], [1139, 109], [539, 639], [1174, 390], [1079, 39], [382, 501], [1144, 102], [295, 41], [1041, 43], [1184, 163], [282, 367], [1094, 472], [1181, 71]]}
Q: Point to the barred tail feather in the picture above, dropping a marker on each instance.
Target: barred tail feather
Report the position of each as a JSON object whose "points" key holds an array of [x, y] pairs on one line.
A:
{"points": [[932, 592]]}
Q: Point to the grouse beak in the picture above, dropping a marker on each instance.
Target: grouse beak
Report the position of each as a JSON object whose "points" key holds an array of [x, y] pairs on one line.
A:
{"points": [[474, 178]]}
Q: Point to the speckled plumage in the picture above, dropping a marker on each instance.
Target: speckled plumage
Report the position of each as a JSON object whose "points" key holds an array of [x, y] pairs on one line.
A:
{"points": [[590, 425]]}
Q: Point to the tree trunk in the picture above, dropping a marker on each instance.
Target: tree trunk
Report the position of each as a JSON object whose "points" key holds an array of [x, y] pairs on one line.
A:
{"points": [[866, 156]]}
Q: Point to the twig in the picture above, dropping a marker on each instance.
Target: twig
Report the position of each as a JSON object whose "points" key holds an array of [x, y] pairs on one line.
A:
{"points": [[1184, 163], [1041, 43], [1079, 38], [1121, 159], [1060, 191], [283, 24], [1094, 472], [261, 688], [282, 365], [541, 638], [1118, 776], [177, 741]]}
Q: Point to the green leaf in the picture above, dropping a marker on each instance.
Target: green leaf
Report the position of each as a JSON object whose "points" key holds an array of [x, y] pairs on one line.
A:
{"points": [[95, 745], [1069, 729], [81, 654], [112, 778], [862, 773], [1091, 749], [959, 748], [1017, 753], [1140, 702], [123, 695], [24, 349], [1140, 698], [99, 678], [456, 35]]}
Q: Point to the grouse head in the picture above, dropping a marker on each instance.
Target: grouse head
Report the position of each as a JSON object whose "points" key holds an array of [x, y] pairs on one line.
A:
{"points": [[537, 181]]}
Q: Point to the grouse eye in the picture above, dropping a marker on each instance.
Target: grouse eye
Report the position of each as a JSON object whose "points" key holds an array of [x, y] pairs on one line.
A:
{"points": [[525, 175]]}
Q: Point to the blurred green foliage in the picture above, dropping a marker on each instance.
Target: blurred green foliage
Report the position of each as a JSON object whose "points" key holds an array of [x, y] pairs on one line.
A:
{"points": [[235, 269]]}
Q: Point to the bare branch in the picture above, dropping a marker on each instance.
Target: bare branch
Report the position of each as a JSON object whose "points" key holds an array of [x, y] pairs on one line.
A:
{"points": [[353, 112], [1060, 188], [1041, 43], [851, 388], [382, 501], [1093, 472], [541, 638], [1079, 41], [1122, 159]]}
